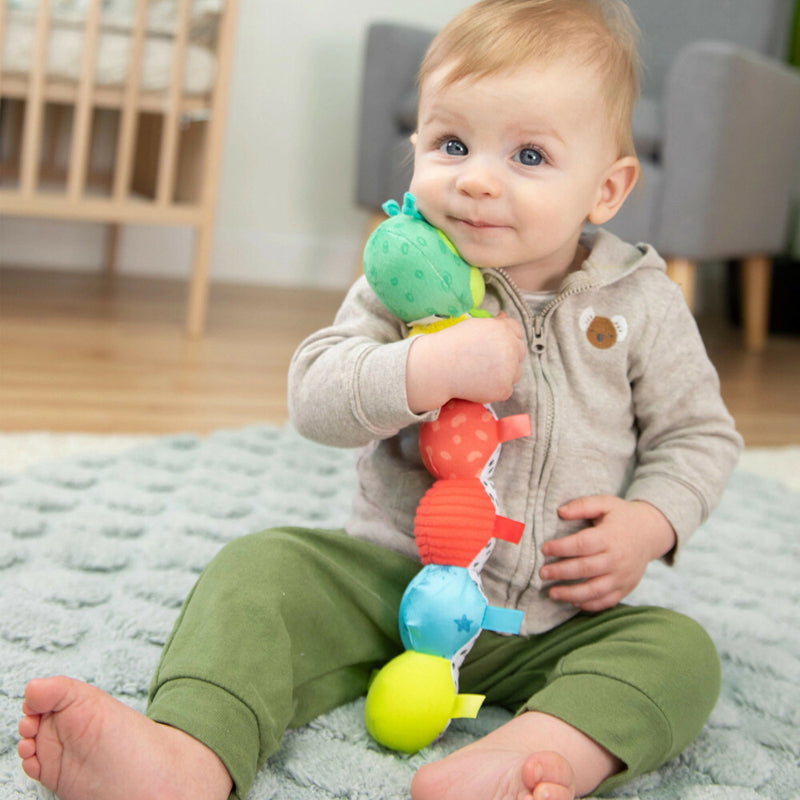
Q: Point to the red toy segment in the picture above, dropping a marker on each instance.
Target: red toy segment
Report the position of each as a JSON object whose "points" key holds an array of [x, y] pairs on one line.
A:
{"points": [[461, 441], [455, 520]]}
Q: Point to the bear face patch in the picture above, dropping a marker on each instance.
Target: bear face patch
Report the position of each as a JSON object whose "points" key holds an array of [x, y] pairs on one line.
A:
{"points": [[602, 332]]}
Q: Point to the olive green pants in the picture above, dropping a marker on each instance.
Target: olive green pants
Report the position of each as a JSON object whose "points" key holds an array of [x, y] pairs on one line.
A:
{"points": [[287, 624]]}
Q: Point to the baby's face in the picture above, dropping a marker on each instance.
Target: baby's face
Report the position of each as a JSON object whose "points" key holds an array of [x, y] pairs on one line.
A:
{"points": [[510, 166]]}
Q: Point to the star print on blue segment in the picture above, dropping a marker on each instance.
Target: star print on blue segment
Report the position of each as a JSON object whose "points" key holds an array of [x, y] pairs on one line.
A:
{"points": [[464, 624]]}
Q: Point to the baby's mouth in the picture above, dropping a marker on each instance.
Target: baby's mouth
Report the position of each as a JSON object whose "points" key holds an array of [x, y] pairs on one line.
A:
{"points": [[477, 224]]}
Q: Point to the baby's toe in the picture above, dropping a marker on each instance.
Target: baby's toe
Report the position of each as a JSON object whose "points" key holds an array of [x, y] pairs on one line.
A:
{"points": [[29, 726], [549, 777], [553, 791], [26, 748]]}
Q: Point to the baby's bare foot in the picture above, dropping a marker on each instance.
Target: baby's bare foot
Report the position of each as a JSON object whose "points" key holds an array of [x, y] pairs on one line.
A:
{"points": [[492, 773], [82, 744]]}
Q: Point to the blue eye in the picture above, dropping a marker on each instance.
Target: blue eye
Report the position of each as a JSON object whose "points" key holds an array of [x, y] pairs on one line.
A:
{"points": [[454, 147], [530, 157]]}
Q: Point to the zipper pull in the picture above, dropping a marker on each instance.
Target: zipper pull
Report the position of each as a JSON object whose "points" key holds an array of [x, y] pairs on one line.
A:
{"points": [[538, 334]]}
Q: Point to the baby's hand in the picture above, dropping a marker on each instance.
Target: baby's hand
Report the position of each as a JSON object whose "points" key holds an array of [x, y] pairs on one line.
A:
{"points": [[609, 558], [479, 359]]}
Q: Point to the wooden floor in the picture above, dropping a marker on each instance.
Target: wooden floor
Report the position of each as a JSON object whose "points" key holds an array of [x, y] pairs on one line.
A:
{"points": [[89, 354]]}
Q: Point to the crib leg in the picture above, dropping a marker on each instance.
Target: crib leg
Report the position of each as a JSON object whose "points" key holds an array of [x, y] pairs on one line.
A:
{"points": [[112, 249], [198, 287]]}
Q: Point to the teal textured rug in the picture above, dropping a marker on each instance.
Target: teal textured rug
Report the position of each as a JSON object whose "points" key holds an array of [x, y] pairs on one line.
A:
{"points": [[98, 551]]}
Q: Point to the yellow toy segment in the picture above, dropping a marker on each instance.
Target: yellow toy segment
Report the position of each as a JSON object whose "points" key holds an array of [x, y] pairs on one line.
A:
{"points": [[450, 246], [411, 700], [476, 283], [436, 325], [477, 286]]}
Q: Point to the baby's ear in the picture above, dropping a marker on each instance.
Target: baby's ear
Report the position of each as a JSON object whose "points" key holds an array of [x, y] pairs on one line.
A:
{"points": [[619, 180], [413, 139]]}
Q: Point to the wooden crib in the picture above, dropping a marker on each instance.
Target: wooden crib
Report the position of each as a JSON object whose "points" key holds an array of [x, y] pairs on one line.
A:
{"points": [[113, 111]]}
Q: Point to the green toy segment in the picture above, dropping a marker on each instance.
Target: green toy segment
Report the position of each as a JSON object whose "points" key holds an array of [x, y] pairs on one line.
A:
{"points": [[415, 270]]}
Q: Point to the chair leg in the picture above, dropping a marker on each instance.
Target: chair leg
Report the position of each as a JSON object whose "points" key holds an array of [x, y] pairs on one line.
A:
{"points": [[756, 279], [684, 273]]}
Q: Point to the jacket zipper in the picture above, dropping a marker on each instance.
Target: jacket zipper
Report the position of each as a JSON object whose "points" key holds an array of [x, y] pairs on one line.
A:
{"points": [[538, 346], [538, 334]]}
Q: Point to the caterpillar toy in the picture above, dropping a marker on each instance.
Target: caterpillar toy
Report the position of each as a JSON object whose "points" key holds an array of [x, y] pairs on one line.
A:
{"points": [[419, 276]]}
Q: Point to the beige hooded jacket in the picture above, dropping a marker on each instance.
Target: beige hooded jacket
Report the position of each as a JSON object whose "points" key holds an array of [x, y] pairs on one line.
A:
{"points": [[622, 397]]}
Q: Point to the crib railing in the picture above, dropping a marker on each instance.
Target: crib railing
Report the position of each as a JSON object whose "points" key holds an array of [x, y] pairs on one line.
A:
{"points": [[167, 144]]}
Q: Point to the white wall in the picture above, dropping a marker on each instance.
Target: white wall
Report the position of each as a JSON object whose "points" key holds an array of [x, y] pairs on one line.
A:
{"points": [[286, 210]]}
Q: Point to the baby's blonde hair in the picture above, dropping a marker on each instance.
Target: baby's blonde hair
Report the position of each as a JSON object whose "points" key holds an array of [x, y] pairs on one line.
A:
{"points": [[496, 35]]}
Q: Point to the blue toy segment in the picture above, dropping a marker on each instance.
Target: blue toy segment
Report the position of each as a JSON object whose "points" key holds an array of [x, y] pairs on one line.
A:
{"points": [[443, 609]]}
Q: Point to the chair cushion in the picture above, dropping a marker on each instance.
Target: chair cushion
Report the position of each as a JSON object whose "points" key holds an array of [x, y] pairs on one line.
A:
{"points": [[760, 25], [400, 168], [405, 116], [648, 128]]}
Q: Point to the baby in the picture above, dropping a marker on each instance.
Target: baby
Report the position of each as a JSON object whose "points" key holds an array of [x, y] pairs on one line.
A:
{"points": [[523, 137]]}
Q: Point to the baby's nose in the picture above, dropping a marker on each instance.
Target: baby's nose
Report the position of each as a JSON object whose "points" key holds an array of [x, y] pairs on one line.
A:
{"points": [[479, 178]]}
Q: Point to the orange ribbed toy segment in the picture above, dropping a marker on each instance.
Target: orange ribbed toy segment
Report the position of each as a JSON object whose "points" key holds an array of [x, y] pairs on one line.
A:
{"points": [[455, 520]]}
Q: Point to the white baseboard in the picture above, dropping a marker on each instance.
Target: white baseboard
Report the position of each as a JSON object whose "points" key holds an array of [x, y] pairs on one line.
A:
{"points": [[239, 255]]}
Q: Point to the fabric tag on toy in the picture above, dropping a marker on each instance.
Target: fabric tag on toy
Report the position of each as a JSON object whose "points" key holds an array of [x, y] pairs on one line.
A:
{"points": [[466, 706], [502, 620]]}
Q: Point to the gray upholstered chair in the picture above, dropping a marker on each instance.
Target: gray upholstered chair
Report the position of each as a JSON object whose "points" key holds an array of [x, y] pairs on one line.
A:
{"points": [[717, 130]]}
